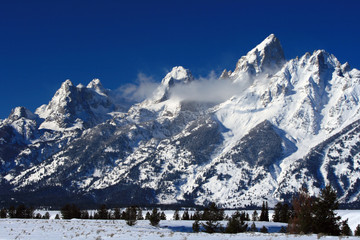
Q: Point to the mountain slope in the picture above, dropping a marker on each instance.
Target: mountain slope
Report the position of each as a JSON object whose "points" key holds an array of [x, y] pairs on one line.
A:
{"points": [[287, 124]]}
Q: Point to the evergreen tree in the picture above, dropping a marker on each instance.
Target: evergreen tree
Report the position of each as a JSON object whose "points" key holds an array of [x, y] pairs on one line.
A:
{"points": [[70, 211], [285, 213], [162, 216], [243, 216], [196, 215], [302, 221], [176, 215], [253, 227], [57, 216], [47, 215], [345, 229], [76, 213], [212, 214], [66, 212], [12, 212], [325, 219], [264, 215], [357, 230], [3, 213], [185, 215], [264, 229], [117, 213], [266, 212], [123, 215], [140, 215], [147, 216], [102, 212], [196, 226], [211, 226], [255, 216], [205, 214], [236, 223], [84, 214], [20, 211], [29, 212], [38, 216], [131, 215], [277, 210], [154, 217], [281, 213]]}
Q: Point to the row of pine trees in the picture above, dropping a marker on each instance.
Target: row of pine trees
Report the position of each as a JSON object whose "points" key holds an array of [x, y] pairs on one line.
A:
{"points": [[305, 215]]}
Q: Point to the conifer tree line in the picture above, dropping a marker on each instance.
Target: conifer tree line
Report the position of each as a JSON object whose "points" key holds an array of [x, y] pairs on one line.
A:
{"points": [[306, 214], [21, 211], [130, 214]]}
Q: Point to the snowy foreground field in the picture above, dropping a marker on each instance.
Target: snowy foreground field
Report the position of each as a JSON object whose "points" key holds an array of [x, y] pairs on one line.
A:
{"points": [[117, 229]]}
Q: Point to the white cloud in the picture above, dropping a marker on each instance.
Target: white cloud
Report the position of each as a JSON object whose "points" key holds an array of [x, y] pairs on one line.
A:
{"points": [[208, 89], [143, 88]]}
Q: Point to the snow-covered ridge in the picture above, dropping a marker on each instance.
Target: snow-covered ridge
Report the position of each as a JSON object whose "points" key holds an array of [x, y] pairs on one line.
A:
{"points": [[267, 57], [282, 124]]}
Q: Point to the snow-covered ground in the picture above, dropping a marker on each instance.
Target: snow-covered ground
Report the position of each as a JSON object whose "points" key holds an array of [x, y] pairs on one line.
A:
{"points": [[117, 229]]}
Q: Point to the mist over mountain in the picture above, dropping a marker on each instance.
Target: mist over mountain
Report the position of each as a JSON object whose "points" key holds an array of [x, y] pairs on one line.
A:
{"points": [[258, 132]]}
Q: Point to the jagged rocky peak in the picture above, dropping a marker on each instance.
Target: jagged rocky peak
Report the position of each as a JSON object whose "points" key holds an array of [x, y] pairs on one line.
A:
{"points": [[76, 106], [346, 67], [178, 75], [62, 96], [21, 112], [324, 60], [225, 74], [267, 57], [96, 85], [66, 85]]}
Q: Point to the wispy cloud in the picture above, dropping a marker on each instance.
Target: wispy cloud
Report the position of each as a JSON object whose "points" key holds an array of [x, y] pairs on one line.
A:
{"points": [[208, 89], [203, 89], [143, 88]]}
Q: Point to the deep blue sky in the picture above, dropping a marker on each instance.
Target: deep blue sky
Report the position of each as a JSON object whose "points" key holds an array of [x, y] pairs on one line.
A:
{"points": [[43, 43]]}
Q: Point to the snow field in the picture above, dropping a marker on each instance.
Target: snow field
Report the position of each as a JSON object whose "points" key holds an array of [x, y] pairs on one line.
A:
{"points": [[33, 229]]}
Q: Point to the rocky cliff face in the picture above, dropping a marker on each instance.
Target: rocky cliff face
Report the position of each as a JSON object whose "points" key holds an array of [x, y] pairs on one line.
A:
{"points": [[288, 124]]}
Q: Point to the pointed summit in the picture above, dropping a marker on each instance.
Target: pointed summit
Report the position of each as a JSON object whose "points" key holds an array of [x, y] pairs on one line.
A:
{"points": [[178, 75], [21, 112], [267, 57], [96, 85], [76, 107], [225, 74], [66, 84]]}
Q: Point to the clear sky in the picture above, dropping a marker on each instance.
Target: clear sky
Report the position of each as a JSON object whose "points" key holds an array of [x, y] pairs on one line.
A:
{"points": [[43, 43]]}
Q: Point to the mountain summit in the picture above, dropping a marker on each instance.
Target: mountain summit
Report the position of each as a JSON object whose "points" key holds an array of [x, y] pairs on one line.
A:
{"points": [[288, 124], [177, 76], [267, 57]]}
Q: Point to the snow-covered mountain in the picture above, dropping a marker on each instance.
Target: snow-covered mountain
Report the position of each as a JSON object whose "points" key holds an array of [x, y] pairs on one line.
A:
{"points": [[284, 124]]}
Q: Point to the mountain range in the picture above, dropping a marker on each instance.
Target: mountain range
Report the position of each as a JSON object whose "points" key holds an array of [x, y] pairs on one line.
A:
{"points": [[257, 133]]}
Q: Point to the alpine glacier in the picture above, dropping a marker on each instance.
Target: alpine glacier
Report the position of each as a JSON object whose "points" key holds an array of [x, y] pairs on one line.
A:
{"points": [[278, 125]]}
